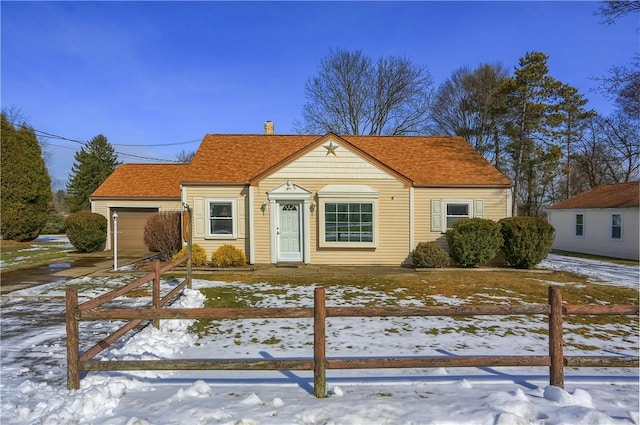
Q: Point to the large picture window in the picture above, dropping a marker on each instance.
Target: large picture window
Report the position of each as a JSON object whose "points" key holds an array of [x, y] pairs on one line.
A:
{"points": [[221, 218], [348, 222], [348, 216]]}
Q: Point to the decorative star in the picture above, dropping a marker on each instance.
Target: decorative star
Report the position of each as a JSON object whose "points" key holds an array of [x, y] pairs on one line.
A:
{"points": [[331, 148]]}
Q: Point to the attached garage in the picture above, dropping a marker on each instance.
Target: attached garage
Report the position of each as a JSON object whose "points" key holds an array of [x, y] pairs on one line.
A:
{"points": [[135, 192], [131, 222]]}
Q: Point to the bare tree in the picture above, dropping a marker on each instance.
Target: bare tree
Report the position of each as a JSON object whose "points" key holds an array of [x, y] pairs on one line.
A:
{"points": [[623, 82], [353, 94], [615, 9], [185, 156], [465, 106], [609, 152]]}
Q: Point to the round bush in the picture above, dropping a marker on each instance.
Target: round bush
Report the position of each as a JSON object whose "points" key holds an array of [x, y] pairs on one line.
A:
{"points": [[198, 255], [430, 255], [86, 231], [474, 241], [228, 256], [527, 240]]}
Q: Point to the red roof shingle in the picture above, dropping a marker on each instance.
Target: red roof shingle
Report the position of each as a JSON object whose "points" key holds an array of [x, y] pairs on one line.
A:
{"points": [[421, 159], [621, 195], [143, 181], [240, 159]]}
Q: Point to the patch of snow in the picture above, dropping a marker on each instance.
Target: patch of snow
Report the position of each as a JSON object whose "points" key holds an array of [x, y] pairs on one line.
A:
{"points": [[33, 374]]}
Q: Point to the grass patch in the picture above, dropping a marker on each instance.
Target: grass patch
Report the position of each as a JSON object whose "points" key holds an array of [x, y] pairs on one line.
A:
{"points": [[19, 255], [515, 287], [440, 288]]}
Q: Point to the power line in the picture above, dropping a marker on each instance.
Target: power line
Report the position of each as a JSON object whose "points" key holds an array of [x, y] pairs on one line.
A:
{"points": [[56, 136], [48, 135], [122, 154]]}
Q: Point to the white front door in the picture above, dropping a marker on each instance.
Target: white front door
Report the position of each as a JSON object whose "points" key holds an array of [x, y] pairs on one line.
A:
{"points": [[289, 231]]}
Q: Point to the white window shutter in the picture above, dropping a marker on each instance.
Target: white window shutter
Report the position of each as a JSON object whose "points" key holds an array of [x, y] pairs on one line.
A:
{"points": [[436, 215], [198, 217], [478, 208]]}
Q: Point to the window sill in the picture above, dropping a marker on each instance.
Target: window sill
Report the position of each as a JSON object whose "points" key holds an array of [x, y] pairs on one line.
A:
{"points": [[348, 245]]}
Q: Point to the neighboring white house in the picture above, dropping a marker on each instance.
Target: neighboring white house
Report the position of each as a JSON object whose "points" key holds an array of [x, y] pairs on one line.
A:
{"points": [[602, 221]]}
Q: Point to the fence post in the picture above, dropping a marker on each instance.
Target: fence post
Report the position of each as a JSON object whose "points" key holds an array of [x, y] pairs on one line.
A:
{"points": [[156, 290], [73, 344], [319, 346], [556, 370]]}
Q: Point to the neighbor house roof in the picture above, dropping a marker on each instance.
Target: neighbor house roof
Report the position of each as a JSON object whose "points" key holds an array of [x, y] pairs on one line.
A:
{"points": [[143, 181], [423, 160], [621, 195]]}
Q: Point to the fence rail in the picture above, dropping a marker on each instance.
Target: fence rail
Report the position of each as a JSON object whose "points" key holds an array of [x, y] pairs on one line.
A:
{"points": [[74, 312], [554, 359]]}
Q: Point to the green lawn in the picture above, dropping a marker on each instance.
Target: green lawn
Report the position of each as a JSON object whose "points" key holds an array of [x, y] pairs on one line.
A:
{"points": [[17, 255]]}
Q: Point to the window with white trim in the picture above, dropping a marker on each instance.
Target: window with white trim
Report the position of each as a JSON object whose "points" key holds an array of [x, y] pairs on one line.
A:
{"points": [[348, 222], [456, 210], [616, 226], [348, 216], [579, 225], [221, 218]]}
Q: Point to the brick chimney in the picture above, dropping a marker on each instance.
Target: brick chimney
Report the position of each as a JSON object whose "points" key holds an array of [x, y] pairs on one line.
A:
{"points": [[268, 127]]}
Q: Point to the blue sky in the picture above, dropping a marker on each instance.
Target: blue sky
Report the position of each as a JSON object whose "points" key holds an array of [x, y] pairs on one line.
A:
{"points": [[166, 73]]}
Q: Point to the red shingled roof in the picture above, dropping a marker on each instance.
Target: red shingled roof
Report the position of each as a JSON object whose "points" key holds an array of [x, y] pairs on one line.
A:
{"points": [[432, 160], [143, 181], [422, 160], [237, 158], [621, 195], [240, 159]]}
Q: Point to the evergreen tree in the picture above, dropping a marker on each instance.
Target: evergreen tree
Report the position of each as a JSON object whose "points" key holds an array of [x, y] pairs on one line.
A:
{"points": [[570, 121], [25, 195], [94, 162], [530, 96]]}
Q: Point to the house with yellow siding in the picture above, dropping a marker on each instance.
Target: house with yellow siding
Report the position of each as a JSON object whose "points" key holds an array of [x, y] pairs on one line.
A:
{"points": [[313, 199]]}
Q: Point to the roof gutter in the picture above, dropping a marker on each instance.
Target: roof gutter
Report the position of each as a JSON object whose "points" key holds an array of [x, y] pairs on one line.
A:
{"points": [[135, 198], [462, 186], [201, 183]]}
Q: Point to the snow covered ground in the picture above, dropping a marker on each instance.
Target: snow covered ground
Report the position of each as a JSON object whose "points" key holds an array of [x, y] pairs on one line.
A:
{"points": [[33, 374]]}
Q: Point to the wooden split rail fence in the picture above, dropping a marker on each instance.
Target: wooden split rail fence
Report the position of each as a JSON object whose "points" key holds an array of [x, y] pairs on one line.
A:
{"points": [[554, 310]]}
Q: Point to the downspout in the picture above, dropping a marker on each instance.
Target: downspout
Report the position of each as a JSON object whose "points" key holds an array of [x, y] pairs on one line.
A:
{"points": [[252, 237], [411, 221], [183, 201]]}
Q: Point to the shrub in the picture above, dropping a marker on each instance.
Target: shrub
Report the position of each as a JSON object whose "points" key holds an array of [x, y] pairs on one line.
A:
{"points": [[474, 241], [527, 240], [86, 231], [198, 255], [162, 233], [430, 255], [55, 224], [228, 256]]}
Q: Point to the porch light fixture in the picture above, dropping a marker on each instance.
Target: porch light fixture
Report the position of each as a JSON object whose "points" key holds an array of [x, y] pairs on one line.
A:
{"points": [[264, 207], [313, 206]]}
